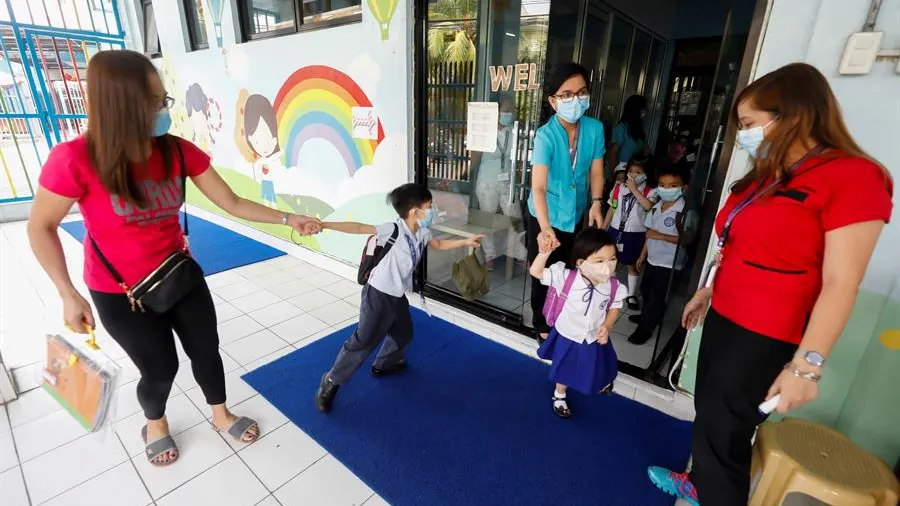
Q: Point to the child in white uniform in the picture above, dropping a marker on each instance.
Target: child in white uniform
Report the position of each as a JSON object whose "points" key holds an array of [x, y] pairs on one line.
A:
{"points": [[629, 203], [583, 357]]}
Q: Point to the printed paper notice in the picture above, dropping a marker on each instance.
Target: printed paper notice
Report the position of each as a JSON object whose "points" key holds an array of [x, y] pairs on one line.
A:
{"points": [[365, 123], [481, 126]]}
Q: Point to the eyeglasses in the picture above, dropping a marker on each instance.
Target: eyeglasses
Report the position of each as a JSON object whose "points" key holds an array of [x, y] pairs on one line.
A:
{"points": [[167, 102], [566, 96]]}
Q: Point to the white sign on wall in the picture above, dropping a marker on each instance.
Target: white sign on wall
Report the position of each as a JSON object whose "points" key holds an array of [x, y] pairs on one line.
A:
{"points": [[365, 123], [481, 126]]}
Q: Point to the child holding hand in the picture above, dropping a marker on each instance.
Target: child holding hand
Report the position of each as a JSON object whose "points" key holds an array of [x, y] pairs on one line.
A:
{"points": [[579, 347]]}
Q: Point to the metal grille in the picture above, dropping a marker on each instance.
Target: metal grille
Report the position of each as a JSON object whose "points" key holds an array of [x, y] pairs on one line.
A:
{"points": [[44, 49]]}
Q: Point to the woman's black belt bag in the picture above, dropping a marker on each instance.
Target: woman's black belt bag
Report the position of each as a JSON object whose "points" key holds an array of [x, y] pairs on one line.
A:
{"points": [[171, 281]]}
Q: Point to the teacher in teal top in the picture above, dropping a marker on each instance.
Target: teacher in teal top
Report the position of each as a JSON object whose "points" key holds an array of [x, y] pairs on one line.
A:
{"points": [[566, 177]]}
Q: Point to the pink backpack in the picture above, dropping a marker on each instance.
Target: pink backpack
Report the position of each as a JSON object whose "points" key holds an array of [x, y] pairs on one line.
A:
{"points": [[555, 301]]}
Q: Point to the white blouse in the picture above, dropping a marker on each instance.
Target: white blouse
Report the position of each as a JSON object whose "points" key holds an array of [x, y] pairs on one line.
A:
{"points": [[584, 312]]}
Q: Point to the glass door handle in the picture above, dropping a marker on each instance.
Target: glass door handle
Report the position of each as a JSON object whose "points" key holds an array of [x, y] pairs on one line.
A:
{"points": [[712, 157]]}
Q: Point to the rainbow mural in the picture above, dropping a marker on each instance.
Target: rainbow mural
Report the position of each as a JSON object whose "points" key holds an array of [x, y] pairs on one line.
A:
{"points": [[315, 102]]}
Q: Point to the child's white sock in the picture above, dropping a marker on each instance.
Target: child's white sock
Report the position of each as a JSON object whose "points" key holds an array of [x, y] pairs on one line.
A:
{"points": [[633, 284], [559, 399]]}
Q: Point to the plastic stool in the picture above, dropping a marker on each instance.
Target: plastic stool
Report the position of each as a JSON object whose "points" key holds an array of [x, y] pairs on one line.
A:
{"points": [[801, 456]]}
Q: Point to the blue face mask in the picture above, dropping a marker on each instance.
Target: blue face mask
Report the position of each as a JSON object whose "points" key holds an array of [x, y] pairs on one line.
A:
{"points": [[751, 139], [669, 194], [639, 179], [573, 110], [506, 118], [428, 219], [162, 124]]}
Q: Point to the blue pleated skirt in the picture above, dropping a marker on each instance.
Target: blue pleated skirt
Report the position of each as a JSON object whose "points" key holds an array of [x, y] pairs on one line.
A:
{"points": [[587, 368]]}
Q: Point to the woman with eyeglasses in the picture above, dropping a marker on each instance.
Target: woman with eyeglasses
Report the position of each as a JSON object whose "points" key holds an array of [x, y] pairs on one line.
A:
{"points": [[567, 175], [127, 176]]}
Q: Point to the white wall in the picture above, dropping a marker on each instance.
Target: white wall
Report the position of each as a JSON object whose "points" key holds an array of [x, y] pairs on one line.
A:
{"points": [[316, 178]]}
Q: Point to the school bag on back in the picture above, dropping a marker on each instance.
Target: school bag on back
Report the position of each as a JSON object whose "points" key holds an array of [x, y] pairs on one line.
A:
{"points": [[373, 253], [555, 301]]}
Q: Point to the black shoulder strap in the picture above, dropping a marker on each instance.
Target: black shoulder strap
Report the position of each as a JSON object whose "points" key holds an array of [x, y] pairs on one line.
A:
{"points": [[183, 182], [115, 274], [390, 243]]}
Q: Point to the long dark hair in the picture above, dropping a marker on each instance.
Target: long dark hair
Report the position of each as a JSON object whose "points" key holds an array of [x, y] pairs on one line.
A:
{"points": [[799, 96], [259, 108], [554, 81], [120, 105], [631, 116]]}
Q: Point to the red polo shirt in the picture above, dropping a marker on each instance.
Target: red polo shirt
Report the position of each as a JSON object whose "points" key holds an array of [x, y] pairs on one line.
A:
{"points": [[771, 271]]}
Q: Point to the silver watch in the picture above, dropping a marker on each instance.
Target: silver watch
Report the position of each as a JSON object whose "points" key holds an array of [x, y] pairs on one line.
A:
{"points": [[812, 358], [284, 218]]}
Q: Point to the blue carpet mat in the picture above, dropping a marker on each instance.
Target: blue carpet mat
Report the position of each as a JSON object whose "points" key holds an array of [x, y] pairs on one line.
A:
{"points": [[471, 423], [215, 248]]}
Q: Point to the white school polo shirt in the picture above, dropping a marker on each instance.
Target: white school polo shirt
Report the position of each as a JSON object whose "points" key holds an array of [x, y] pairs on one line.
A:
{"points": [[394, 273], [662, 253], [578, 320], [635, 220]]}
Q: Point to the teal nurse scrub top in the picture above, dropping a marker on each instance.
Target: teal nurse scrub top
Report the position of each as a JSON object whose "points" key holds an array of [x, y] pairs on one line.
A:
{"points": [[567, 190], [627, 145]]}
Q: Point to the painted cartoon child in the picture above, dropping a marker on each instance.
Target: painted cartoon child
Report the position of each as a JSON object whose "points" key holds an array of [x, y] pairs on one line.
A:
{"points": [[197, 104], [261, 133]]}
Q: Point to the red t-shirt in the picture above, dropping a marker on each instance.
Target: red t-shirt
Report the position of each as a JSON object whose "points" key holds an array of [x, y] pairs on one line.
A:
{"points": [[771, 271], [135, 241]]}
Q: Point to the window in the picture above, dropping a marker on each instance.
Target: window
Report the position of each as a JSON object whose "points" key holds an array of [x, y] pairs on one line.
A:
{"points": [[268, 18], [151, 34], [196, 24]]}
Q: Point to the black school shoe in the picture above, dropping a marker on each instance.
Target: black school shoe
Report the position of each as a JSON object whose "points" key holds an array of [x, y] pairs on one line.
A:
{"points": [[632, 303], [325, 394], [398, 368], [639, 337]]}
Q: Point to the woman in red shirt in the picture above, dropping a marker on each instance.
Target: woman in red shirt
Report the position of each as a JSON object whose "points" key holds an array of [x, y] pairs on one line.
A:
{"points": [[795, 238], [125, 174]]}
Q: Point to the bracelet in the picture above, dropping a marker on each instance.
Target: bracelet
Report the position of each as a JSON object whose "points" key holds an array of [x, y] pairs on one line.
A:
{"points": [[809, 376]]}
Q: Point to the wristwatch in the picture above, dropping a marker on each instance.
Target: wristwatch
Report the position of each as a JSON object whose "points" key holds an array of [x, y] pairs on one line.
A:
{"points": [[284, 218], [812, 358]]}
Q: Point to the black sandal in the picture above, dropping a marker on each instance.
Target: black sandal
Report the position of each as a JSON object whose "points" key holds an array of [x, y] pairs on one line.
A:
{"points": [[561, 411], [608, 389]]}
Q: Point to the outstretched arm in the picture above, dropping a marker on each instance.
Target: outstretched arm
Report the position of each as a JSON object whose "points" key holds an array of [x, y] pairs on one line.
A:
{"points": [[349, 227], [471, 242]]}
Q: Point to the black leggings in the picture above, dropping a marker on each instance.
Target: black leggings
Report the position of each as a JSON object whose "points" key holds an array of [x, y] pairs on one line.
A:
{"points": [[561, 254], [735, 368], [147, 339]]}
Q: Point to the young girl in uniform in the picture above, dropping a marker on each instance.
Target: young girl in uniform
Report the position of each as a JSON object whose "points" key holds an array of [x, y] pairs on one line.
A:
{"points": [[578, 345], [629, 203]]}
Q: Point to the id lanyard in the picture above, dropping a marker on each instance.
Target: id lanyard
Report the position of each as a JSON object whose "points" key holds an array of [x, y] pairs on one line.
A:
{"points": [[573, 153], [414, 253], [627, 206], [759, 192]]}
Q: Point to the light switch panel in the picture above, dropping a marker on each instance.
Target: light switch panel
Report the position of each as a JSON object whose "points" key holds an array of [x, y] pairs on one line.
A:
{"points": [[860, 53]]}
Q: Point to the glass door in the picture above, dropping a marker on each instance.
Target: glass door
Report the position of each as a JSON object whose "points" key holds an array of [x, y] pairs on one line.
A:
{"points": [[715, 99], [485, 64]]}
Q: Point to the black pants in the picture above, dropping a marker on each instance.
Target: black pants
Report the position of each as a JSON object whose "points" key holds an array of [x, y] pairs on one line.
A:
{"points": [[735, 369], [148, 341], [654, 285], [382, 317], [561, 254]]}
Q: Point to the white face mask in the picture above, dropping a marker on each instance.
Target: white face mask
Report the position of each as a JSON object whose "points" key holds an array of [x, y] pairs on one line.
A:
{"points": [[751, 139], [598, 272]]}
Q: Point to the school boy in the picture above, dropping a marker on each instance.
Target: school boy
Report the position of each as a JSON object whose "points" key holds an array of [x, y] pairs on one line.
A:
{"points": [[662, 253], [384, 309]]}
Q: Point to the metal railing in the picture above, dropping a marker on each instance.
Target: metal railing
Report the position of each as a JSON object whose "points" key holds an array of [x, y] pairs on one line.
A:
{"points": [[44, 49]]}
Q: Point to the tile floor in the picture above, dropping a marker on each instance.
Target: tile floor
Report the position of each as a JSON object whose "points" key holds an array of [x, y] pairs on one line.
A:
{"points": [[265, 311]]}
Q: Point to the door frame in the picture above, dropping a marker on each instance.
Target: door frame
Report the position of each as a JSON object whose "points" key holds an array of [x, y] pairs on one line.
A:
{"points": [[419, 114]]}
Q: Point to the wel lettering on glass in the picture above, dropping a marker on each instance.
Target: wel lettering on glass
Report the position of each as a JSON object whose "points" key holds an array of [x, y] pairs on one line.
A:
{"points": [[364, 123], [522, 77]]}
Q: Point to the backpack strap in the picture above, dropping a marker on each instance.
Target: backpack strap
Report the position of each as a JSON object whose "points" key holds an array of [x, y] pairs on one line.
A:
{"points": [[570, 279], [391, 240], [647, 191], [615, 194], [613, 289], [183, 181]]}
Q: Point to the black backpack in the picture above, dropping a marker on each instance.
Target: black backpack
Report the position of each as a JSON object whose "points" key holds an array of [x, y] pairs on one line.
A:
{"points": [[373, 253]]}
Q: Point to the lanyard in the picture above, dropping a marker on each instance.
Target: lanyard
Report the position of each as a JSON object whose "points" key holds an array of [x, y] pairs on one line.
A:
{"points": [[413, 250], [573, 153], [627, 206], [758, 193]]}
